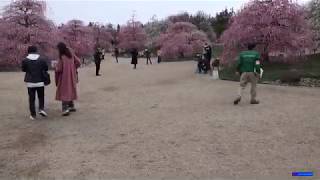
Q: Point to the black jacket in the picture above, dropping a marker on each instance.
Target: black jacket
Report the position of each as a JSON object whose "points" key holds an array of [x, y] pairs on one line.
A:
{"points": [[147, 53], [134, 56], [97, 57], [208, 52], [34, 69]]}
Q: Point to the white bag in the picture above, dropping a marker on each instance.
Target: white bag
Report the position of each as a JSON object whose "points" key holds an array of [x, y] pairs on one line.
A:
{"points": [[215, 75], [261, 73]]}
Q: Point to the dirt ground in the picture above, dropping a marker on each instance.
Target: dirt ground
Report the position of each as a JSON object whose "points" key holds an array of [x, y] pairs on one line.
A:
{"points": [[159, 121]]}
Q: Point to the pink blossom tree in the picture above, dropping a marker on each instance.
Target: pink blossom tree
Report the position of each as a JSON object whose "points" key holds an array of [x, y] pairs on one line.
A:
{"points": [[102, 35], [314, 17], [153, 29], [182, 39], [132, 36], [275, 25], [23, 23], [79, 37]]}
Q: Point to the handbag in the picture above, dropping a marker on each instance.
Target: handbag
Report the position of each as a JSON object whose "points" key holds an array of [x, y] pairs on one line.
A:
{"points": [[215, 75], [46, 78]]}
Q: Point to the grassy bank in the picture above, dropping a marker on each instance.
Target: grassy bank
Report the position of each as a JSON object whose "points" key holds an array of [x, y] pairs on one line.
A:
{"points": [[309, 67]]}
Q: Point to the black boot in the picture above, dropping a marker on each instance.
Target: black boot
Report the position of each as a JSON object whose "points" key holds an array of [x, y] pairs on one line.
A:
{"points": [[237, 101], [254, 102]]}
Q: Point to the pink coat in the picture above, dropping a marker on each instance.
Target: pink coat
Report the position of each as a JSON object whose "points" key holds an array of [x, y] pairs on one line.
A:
{"points": [[67, 78]]}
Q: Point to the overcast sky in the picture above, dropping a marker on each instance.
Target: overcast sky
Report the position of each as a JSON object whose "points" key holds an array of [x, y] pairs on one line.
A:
{"points": [[118, 12]]}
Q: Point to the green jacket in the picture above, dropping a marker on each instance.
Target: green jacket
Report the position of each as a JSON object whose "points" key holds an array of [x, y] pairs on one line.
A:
{"points": [[249, 61]]}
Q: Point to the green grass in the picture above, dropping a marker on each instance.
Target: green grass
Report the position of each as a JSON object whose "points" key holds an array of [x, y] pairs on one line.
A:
{"points": [[308, 66]]}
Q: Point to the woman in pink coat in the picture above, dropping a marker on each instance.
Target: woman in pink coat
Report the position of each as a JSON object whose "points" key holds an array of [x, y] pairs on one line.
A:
{"points": [[66, 78]]}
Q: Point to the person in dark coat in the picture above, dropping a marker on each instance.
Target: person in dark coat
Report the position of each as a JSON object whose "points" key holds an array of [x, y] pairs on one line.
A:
{"points": [[116, 54], [134, 55], [147, 53], [208, 52], [207, 55], [159, 53], [200, 62], [97, 61], [35, 67]]}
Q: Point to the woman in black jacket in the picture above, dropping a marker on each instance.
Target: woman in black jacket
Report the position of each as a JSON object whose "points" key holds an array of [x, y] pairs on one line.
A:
{"points": [[35, 69], [97, 61], [134, 55]]}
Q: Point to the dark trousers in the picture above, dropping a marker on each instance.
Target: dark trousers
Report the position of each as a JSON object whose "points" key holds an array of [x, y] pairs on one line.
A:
{"points": [[117, 59], [97, 68], [149, 60], [159, 59], [67, 105], [199, 67], [32, 98]]}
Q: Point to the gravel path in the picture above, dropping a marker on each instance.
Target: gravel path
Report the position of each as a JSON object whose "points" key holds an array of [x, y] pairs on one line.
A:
{"points": [[159, 121]]}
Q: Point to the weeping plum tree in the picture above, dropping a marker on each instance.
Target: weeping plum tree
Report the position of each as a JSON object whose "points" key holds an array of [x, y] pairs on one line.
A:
{"points": [[79, 37], [132, 36], [275, 25], [153, 29], [181, 17], [314, 16], [182, 39], [23, 23], [203, 21], [101, 35]]}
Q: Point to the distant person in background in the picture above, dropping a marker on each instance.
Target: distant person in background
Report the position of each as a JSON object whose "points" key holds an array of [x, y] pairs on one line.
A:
{"points": [[199, 62], [215, 69], [134, 56], [97, 61], [116, 54], [102, 54], [207, 54], [159, 53], [35, 67], [215, 64], [249, 69], [147, 53], [67, 78]]}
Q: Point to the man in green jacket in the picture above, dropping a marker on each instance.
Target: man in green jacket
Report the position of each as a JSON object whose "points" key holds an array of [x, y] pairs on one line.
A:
{"points": [[249, 69]]}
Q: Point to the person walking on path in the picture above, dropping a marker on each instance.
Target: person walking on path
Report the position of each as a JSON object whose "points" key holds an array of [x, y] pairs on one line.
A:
{"points": [[159, 53], [67, 78], [97, 61], [35, 69], [134, 56], [116, 54], [148, 56], [207, 54], [249, 69]]}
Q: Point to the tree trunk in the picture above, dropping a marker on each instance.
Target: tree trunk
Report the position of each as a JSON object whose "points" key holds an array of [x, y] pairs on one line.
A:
{"points": [[181, 54], [265, 54]]}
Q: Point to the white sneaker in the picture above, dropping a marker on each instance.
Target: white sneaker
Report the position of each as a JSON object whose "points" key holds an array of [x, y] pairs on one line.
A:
{"points": [[66, 113], [43, 113], [32, 118]]}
